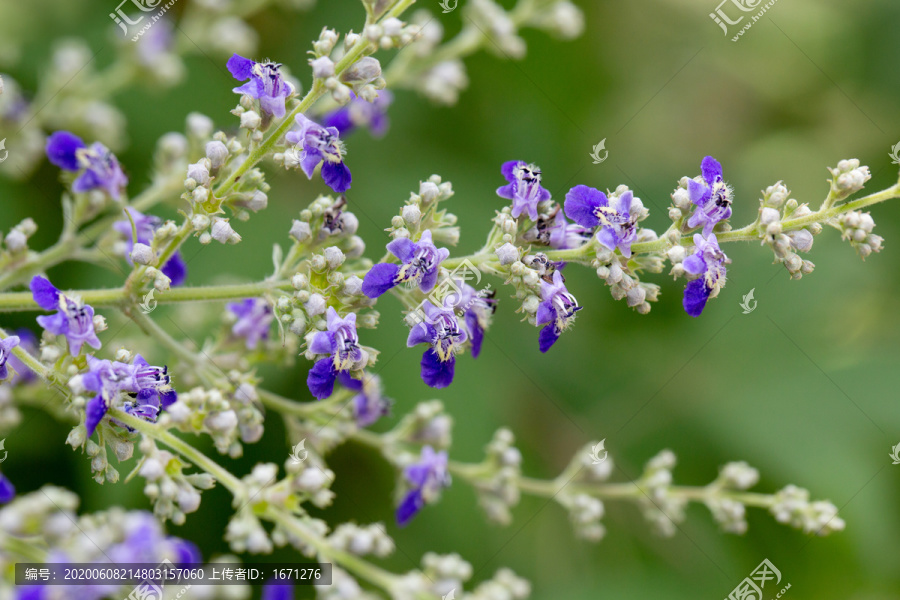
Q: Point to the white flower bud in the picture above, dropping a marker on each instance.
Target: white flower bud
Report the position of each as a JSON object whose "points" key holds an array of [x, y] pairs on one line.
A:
{"points": [[142, 254], [322, 67], [300, 231], [199, 125], [507, 253], [16, 240], [411, 214], [217, 153], [769, 215], [223, 233], [316, 305], [362, 71], [199, 171], [250, 119], [334, 257]]}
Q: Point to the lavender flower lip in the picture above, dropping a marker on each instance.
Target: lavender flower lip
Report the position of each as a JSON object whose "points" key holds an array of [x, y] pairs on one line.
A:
{"points": [[6, 346], [265, 83], [709, 262], [556, 311], [361, 113], [442, 330], [426, 477], [254, 319], [420, 262], [341, 345], [524, 188], [145, 226]]}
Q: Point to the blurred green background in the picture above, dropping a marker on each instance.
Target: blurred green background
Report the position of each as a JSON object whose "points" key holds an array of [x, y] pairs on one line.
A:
{"points": [[804, 388]]}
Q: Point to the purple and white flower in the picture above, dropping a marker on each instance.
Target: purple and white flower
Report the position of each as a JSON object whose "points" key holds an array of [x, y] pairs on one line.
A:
{"points": [[420, 264], [73, 318], [254, 317], [708, 261], [524, 188], [147, 388], [441, 330], [341, 345], [145, 226], [361, 113], [266, 83], [315, 145], [477, 308], [369, 404], [6, 346], [28, 342], [555, 231], [557, 311], [97, 167], [712, 198], [427, 478], [617, 221]]}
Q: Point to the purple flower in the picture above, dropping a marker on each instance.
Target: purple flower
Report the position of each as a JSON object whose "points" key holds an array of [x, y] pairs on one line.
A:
{"points": [[427, 477], [524, 188], [442, 330], [275, 590], [591, 208], [713, 197], [266, 83], [6, 346], [421, 261], [147, 388], [557, 310], [369, 404], [7, 491], [29, 343], [98, 167], [709, 262], [341, 344], [145, 226], [73, 318], [315, 145], [360, 113], [476, 308], [254, 318], [555, 231]]}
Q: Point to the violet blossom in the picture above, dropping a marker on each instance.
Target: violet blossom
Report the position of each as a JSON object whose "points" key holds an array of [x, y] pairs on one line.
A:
{"points": [[476, 308], [709, 262], [96, 166], [315, 145], [420, 263], [712, 198], [73, 318], [555, 231], [341, 345], [617, 222], [7, 490], [361, 113], [441, 330], [266, 83], [6, 346], [254, 317], [557, 310], [369, 404], [427, 477], [29, 343], [524, 188]]}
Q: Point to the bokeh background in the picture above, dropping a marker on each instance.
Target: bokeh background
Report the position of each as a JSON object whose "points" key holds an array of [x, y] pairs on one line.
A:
{"points": [[804, 388]]}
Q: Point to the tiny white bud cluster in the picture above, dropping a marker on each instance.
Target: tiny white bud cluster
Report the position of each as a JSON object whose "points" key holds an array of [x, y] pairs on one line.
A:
{"points": [[16, 240], [792, 507], [856, 227], [848, 178]]}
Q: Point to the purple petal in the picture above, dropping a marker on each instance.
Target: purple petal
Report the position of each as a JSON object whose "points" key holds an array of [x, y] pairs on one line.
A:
{"points": [[61, 147], [711, 169], [310, 161], [380, 279], [698, 193], [545, 312], [429, 279], [321, 378], [606, 237], [241, 68], [694, 265], [348, 382], [278, 591], [476, 333], [695, 296], [403, 248], [624, 204], [422, 333], [55, 324], [411, 505], [93, 412], [581, 201], [436, 373], [547, 337], [168, 398], [273, 105], [187, 553], [340, 120], [251, 88], [7, 491], [336, 176], [44, 293], [509, 169], [507, 191], [175, 269], [322, 343]]}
